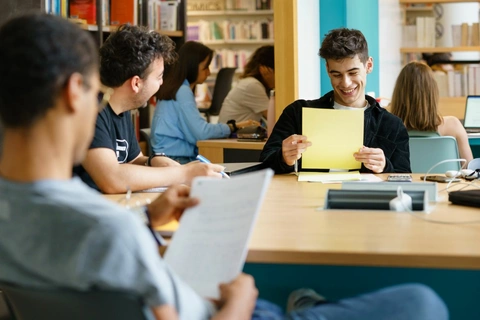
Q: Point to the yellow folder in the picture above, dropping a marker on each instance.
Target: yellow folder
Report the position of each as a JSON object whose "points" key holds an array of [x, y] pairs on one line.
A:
{"points": [[335, 136]]}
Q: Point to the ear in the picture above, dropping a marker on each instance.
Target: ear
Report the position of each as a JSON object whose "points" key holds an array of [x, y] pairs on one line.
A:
{"points": [[369, 65], [74, 91], [136, 84]]}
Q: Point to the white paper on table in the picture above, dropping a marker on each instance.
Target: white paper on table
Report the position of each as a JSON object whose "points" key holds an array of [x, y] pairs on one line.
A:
{"points": [[210, 245], [154, 190], [327, 177]]}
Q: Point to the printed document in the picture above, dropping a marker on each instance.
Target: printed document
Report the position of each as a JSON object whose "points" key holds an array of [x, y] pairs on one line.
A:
{"points": [[210, 245], [335, 136]]}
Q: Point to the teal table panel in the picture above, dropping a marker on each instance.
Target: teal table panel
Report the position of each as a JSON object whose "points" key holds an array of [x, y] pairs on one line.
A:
{"points": [[475, 146], [460, 289]]}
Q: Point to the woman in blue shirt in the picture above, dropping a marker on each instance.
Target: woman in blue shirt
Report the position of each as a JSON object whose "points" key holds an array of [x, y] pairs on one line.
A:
{"points": [[177, 124]]}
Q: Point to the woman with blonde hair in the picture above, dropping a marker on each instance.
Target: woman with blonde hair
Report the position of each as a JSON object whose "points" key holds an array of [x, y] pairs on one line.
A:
{"points": [[415, 101]]}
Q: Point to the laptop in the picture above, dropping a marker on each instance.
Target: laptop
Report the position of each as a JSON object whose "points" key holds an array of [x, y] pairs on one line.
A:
{"points": [[233, 169], [472, 114]]}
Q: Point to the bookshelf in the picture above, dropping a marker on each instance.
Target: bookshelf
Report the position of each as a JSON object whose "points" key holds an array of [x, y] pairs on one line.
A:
{"points": [[95, 15], [234, 29], [411, 9]]}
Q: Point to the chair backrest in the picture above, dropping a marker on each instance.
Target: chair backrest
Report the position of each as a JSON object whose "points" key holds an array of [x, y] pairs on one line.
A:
{"points": [[223, 84], [145, 133], [59, 304], [427, 151]]}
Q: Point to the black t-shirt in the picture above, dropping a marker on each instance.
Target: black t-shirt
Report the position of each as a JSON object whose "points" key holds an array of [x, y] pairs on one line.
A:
{"points": [[114, 132]]}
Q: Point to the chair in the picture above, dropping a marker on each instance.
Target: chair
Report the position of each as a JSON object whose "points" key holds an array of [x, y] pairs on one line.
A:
{"points": [[223, 84], [425, 152], [58, 304], [145, 134]]}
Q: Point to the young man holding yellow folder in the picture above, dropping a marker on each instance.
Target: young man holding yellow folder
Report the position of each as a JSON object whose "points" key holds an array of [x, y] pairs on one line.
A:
{"points": [[385, 142]]}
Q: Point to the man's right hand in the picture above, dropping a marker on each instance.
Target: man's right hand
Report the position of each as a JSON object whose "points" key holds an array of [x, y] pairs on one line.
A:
{"points": [[196, 168], [293, 147]]}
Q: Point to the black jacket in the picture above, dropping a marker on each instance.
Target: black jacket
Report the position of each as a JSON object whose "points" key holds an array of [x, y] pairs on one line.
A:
{"points": [[381, 130]]}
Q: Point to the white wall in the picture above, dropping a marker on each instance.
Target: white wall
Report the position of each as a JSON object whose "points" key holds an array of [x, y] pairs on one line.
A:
{"points": [[308, 28], [390, 34]]}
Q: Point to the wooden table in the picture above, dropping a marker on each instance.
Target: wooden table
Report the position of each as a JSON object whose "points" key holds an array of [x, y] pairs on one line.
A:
{"points": [[292, 229], [341, 253], [230, 150]]}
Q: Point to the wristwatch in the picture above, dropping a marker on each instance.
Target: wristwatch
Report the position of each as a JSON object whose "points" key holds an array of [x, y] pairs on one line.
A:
{"points": [[234, 125], [153, 155]]}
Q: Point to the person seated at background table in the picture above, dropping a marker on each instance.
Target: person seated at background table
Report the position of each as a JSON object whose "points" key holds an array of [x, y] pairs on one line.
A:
{"points": [[63, 234], [385, 137], [177, 124], [249, 98], [415, 101], [131, 62]]}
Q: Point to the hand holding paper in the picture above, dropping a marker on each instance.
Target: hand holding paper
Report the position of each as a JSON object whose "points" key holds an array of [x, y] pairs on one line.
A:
{"points": [[293, 147], [372, 158]]}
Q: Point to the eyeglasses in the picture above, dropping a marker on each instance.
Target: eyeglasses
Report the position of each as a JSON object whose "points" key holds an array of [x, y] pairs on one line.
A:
{"points": [[103, 97]]}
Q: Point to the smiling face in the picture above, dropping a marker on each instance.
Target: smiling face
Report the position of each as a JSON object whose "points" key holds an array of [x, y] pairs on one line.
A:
{"points": [[151, 83], [349, 78]]}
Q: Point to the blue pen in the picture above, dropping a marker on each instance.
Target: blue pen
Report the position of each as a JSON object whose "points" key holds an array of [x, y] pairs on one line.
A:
{"points": [[205, 160]]}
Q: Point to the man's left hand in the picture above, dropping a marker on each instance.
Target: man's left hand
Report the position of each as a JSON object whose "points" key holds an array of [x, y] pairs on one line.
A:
{"points": [[372, 158], [170, 205]]}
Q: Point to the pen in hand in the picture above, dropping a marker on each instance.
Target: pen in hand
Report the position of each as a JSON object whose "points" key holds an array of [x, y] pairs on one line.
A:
{"points": [[205, 160]]}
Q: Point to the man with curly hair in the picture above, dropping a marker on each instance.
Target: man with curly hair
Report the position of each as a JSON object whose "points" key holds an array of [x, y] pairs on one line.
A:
{"points": [[132, 62]]}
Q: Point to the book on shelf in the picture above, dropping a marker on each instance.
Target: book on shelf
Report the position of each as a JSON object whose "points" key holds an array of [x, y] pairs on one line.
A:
{"points": [[124, 11], [425, 27], [84, 9], [163, 15]]}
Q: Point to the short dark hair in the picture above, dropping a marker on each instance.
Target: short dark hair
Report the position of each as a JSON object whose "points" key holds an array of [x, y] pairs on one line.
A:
{"points": [[129, 52], [344, 43], [191, 54], [38, 54]]}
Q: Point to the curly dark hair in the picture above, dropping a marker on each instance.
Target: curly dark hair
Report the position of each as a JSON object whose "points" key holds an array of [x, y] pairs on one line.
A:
{"points": [[344, 43], [129, 52], [38, 55], [191, 54]]}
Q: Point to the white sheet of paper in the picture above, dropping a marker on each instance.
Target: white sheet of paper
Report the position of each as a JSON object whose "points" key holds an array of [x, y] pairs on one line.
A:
{"points": [[210, 245], [154, 190], [327, 177]]}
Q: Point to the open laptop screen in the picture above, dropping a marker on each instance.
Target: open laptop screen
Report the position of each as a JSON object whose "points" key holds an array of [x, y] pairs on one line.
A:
{"points": [[472, 113]]}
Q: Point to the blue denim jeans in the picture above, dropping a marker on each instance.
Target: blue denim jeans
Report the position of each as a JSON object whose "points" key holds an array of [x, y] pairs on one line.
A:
{"points": [[402, 302]]}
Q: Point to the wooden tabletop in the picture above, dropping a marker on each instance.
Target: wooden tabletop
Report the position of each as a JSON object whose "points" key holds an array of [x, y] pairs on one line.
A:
{"points": [[292, 228], [231, 144]]}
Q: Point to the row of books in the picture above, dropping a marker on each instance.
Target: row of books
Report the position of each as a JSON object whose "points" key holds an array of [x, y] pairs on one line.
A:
{"points": [[462, 81], [421, 35], [162, 14], [227, 58], [249, 5], [219, 5], [230, 30], [466, 34]]}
